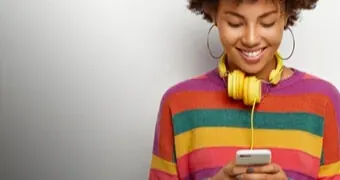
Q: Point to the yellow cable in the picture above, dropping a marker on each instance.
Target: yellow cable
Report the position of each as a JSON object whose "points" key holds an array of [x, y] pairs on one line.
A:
{"points": [[252, 125]]}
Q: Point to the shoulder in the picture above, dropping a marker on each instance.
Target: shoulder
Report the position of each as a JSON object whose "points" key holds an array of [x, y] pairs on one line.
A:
{"points": [[317, 85], [205, 82]]}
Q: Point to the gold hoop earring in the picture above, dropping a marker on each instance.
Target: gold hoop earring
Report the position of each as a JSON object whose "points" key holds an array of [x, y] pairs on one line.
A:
{"points": [[292, 52], [210, 52]]}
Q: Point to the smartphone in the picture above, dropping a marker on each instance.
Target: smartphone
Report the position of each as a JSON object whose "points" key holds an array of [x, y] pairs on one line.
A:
{"points": [[253, 157]]}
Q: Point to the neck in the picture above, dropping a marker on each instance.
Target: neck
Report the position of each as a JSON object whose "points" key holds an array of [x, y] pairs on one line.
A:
{"points": [[263, 74]]}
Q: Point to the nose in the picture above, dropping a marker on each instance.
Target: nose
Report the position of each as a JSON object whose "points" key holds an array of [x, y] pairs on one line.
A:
{"points": [[250, 38]]}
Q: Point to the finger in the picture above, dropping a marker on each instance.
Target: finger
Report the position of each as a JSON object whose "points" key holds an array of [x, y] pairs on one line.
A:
{"points": [[270, 168], [260, 176], [231, 170], [239, 177]]}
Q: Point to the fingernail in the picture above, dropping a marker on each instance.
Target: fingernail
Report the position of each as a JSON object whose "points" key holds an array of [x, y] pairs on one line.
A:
{"points": [[250, 170], [238, 177]]}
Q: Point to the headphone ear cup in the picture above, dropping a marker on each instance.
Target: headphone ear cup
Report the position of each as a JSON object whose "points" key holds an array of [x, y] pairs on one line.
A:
{"points": [[230, 84], [239, 86], [252, 90], [235, 84], [246, 90]]}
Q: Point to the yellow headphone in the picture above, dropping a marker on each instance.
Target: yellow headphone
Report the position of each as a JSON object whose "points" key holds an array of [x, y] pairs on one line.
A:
{"points": [[247, 88]]}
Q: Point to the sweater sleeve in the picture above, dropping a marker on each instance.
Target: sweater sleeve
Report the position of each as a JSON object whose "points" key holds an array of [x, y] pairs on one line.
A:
{"points": [[163, 163], [330, 159]]}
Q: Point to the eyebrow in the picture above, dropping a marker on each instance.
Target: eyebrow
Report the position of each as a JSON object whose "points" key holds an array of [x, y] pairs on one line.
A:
{"points": [[240, 16]]}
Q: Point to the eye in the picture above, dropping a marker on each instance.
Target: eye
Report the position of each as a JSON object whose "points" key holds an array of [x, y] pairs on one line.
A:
{"points": [[268, 25], [234, 25]]}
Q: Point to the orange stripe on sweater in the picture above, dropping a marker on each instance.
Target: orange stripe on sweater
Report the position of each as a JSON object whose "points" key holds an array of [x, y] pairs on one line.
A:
{"points": [[309, 103]]}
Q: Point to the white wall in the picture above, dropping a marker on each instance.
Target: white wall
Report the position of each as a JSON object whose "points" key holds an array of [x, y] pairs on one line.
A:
{"points": [[78, 90]]}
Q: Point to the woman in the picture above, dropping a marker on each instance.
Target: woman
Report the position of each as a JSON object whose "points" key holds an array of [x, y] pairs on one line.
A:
{"points": [[251, 100]]}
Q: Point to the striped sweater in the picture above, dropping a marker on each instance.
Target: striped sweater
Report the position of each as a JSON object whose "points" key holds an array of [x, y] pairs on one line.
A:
{"points": [[199, 129]]}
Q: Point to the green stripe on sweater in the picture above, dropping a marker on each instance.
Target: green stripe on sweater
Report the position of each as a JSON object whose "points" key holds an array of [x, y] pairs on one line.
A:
{"points": [[188, 120]]}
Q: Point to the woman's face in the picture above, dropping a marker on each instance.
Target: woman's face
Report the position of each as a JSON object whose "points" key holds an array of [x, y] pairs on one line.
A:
{"points": [[251, 33]]}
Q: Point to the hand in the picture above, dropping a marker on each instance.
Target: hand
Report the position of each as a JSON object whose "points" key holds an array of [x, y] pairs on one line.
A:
{"points": [[266, 172], [230, 172]]}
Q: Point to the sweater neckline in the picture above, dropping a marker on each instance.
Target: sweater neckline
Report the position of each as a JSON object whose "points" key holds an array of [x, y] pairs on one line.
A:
{"points": [[294, 78]]}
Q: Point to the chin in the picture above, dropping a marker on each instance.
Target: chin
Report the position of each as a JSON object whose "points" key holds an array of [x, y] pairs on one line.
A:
{"points": [[252, 69]]}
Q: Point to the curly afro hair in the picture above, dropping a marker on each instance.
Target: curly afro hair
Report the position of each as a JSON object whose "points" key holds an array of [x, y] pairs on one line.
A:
{"points": [[291, 8]]}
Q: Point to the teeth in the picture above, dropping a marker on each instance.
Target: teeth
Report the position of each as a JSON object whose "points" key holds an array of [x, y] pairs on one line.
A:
{"points": [[252, 54]]}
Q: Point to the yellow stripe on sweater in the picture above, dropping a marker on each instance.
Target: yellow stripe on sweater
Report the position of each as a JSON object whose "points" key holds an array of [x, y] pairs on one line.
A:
{"points": [[163, 165], [330, 170], [239, 137]]}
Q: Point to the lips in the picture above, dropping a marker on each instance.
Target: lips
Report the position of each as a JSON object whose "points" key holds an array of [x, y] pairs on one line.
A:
{"points": [[252, 56]]}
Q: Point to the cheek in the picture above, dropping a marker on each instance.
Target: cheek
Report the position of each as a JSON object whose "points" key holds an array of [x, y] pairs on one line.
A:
{"points": [[272, 36], [229, 37]]}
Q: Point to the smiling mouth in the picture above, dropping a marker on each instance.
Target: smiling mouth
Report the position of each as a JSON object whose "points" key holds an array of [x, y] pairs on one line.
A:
{"points": [[252, 55]]}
